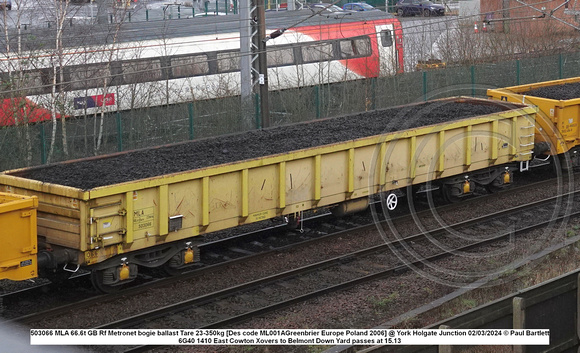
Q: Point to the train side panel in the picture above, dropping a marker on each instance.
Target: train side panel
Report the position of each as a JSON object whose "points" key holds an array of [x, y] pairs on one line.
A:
{"points": [[558, 120], [18, 241], [199, 66], [138, 215]]}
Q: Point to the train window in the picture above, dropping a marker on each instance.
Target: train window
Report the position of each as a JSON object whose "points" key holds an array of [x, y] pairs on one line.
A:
{"points": [[228, 61], [357, 47], [5, 81], [317, 53], [30, 82], [189, 66], [386, 38], [141, 70], [280, 57], [89, 76]]}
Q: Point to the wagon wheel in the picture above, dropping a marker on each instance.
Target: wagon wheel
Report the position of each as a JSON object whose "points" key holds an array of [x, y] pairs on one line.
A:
{"points": [[98, 283], [447, 194], [494, 188], [427, 13], [172, 271]]}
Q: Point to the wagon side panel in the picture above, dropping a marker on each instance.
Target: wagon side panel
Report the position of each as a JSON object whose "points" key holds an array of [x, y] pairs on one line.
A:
{"points": [[18, 242]]}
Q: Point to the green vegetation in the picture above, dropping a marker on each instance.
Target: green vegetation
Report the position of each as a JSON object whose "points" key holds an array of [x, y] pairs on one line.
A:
{"points": [[383, 303]]}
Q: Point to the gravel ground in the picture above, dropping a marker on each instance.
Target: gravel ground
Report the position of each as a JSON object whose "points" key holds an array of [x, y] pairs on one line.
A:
{"points": [[94, 172], [559, 92], [370, 305]]}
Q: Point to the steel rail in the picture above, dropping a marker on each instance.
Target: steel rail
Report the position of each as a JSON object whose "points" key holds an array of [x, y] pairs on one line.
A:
{"points": [[28, 319], [202, 300]]}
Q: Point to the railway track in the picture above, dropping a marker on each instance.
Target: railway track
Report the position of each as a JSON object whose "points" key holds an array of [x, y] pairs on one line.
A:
{"points": [[29, 319], [250, 243], [217, 254], [227, 307], [352, 263], [289, 279]]}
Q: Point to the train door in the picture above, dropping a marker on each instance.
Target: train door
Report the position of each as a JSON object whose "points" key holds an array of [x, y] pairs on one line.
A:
{"points": [[387, 49], [106, 225]]}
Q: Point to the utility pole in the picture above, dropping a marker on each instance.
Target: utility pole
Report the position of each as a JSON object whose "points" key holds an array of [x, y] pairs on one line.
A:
{"points": [[261, 65], [253, 60], [506, 14], [102, 12], [246, 59]]}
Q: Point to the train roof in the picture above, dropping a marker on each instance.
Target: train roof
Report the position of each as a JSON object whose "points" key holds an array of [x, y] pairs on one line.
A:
{"points": [[99, 34]]}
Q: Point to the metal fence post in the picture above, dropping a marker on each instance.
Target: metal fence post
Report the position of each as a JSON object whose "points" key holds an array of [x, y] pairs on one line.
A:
{"points": [[257, 110], [443, 348], [119, 133], [560, 66], [578, 306], [374, 93], [42, 143], [518, 67], [519, 320], [472, 69], [425, 86], [190, 111], [317, 101]]}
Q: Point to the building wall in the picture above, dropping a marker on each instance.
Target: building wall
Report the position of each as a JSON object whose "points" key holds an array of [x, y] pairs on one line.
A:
{"points": [[518, 17]]}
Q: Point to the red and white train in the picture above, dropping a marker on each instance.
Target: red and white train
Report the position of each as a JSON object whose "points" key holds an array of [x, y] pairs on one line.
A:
{"points": [[192, 59]]}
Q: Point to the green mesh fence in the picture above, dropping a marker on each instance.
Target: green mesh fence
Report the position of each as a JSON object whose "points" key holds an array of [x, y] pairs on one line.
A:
{"points": [[293, 105], [20, 146], [30, 145], [539, 69], [495, 75], [570, 64], [399, 90], [453, 81]]}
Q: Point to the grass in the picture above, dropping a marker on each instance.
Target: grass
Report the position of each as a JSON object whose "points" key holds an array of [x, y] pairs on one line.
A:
{"points": [[468, 303], [317, 349], [384, 302]]}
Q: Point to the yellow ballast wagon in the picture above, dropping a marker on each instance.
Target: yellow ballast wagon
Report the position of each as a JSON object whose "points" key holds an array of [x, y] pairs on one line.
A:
{"points": [[114, 213], [559, 113]]}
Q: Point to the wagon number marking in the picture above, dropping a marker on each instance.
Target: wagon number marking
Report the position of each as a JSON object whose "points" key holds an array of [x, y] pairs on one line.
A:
{"points": [[143, 218]]}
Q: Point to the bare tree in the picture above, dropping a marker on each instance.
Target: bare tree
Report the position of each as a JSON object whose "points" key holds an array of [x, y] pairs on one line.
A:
{"points": [[14, 80]]}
